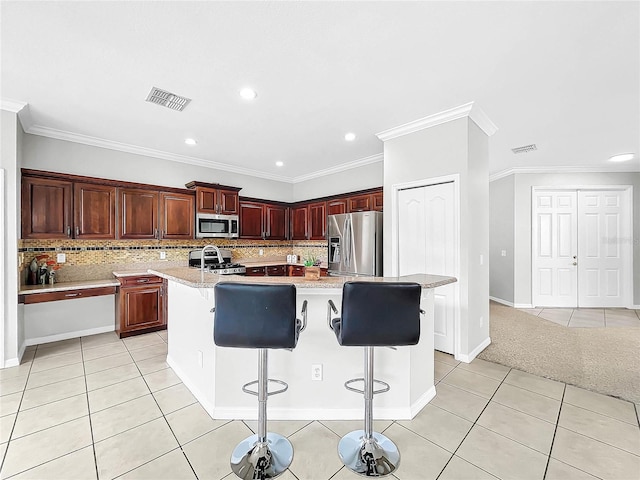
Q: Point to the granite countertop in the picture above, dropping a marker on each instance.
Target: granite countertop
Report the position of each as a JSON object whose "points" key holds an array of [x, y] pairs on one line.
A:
{"points": [[64, 286], [131, 273], [268, 263], [192, 278]]}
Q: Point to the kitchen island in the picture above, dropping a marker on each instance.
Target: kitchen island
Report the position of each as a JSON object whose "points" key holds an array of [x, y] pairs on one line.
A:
{"points": [[215, 375]]}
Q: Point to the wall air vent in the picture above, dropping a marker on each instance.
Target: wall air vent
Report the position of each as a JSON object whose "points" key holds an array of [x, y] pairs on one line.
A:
{"points": [[167, 99], [525, 149]]}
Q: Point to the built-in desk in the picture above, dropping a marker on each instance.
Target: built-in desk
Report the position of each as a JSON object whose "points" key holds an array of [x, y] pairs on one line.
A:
{"points": [[215, 375]]}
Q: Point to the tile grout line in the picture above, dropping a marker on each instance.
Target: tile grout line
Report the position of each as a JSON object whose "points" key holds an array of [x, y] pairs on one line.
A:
{"points": [[86, 389], [555, 430], [15, 420], [166, 421], [475, 422]]}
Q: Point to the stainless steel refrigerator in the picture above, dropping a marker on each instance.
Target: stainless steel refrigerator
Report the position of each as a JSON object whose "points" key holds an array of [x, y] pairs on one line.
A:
{"points": [[355, 244]]}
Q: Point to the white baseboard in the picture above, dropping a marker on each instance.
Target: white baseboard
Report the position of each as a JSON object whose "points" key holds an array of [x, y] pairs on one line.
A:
{"points": [[290, 413], [503, 302], [244, 413], [200, 396], [523, 305], [14, 362], [424, 399], [65, 336], [476, 351]]}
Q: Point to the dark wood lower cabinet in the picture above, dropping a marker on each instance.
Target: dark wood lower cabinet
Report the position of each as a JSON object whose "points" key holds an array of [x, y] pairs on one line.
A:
{"points": [[141, 305], [276, 271], [255, 272]]}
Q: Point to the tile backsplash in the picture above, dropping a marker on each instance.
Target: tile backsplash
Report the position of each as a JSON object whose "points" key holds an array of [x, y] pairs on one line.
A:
{"points": [[96, 259]]}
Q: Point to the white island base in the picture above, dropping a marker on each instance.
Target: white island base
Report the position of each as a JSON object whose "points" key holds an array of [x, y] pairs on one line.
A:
{"points": [[215, 374]]}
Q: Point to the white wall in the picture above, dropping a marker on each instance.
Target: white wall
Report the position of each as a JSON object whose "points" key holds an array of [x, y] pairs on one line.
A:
{"points": [[43, 153], [501, 232], [10, 159], [360, 178], [53, 321], [454, 147], [523, 185]]}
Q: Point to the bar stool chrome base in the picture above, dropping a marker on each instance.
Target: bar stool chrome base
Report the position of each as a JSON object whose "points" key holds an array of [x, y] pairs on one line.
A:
{"points": [[253, 460], [376, 457]]}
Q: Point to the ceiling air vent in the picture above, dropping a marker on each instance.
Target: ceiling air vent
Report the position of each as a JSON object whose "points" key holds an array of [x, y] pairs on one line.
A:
{"points": [[167, 99], [525, 149]]}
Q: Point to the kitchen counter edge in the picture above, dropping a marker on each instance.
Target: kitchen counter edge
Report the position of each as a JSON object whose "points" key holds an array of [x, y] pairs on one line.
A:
{"points": [[64, 286], [192, 278]]}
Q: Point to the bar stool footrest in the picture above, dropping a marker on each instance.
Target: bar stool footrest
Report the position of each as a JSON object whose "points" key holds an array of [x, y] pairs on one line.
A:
{"points": [[385, 385], [275, 392]]}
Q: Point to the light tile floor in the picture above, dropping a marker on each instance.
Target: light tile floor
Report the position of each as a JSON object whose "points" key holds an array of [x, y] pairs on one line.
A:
{"points": [[588, 317], [100, 407]]}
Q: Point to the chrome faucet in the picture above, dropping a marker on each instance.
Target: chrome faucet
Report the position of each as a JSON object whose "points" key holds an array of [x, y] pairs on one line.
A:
{"points": [[204, 249]]}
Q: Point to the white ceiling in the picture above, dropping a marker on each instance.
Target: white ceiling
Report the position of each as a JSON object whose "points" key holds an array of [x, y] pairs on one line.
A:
{"points": [[562, 75]]}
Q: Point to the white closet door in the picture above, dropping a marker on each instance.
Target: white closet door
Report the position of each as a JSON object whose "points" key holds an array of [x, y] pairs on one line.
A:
{"points": [[602, 233], [426, 244], [555, 248]]}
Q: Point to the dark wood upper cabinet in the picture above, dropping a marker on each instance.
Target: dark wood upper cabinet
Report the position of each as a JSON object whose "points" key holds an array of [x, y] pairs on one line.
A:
{"points": [[276, 221], [177, 215], [299, 222], [318, 221], [264, 221], [138, 214], [337, 206], [251, 220], [228, 201], [377, 200], [46, 208], [94, 208], [359, 203], [215, 198]]}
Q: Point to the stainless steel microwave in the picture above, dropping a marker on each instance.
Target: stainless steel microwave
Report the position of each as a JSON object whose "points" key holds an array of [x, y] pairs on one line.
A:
{"points": [[209, 225]]}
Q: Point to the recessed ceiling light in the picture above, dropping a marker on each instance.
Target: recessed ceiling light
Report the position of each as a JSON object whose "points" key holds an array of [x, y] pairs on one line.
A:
{"points": [[248, 93], [623, 157], [279, 164], [350, 137], [190, 141]]}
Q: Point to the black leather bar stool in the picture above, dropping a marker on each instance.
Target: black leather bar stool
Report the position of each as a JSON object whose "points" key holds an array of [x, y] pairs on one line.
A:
{"points": [[262, 317], [374, 315]]}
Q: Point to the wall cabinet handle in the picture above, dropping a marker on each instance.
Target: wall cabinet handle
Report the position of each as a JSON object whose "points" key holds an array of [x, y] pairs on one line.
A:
{"points": [[155, 233], [68, 231], [77, 232]]}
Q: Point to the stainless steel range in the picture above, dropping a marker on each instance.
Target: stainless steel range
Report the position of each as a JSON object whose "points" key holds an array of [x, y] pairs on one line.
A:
{"points": [[213, 264]]}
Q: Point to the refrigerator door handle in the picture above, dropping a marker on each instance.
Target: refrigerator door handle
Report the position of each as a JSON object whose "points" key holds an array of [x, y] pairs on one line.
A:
{"points": [[347, 241]]}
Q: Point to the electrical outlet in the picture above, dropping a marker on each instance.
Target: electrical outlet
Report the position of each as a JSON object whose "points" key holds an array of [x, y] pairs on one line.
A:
{"points": [[316, 372], [503, 253], [481, 259], [200, 359], [261, 252], [163, 255], [61, 257], [481, 321]]}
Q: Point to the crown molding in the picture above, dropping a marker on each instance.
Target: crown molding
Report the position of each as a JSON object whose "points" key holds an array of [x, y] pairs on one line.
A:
{"points": [[21, 109], [148, 152], [340, 168], [567, 169], [470, 110], [13, 106]]}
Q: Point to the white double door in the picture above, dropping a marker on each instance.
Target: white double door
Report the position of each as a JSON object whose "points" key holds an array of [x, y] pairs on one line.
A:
{"points": [[581, 248], [427, 243]]}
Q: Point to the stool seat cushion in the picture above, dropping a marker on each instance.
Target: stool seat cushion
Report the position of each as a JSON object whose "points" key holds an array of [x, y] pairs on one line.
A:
{"points": [[255, 316], [379, 314]]}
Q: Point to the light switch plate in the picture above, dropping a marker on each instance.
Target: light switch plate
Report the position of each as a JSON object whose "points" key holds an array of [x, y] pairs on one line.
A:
{"points": [[61, 257]]}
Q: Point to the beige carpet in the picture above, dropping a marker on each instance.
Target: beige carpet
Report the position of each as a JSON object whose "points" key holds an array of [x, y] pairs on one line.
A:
{"points": [[605, 360]]}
